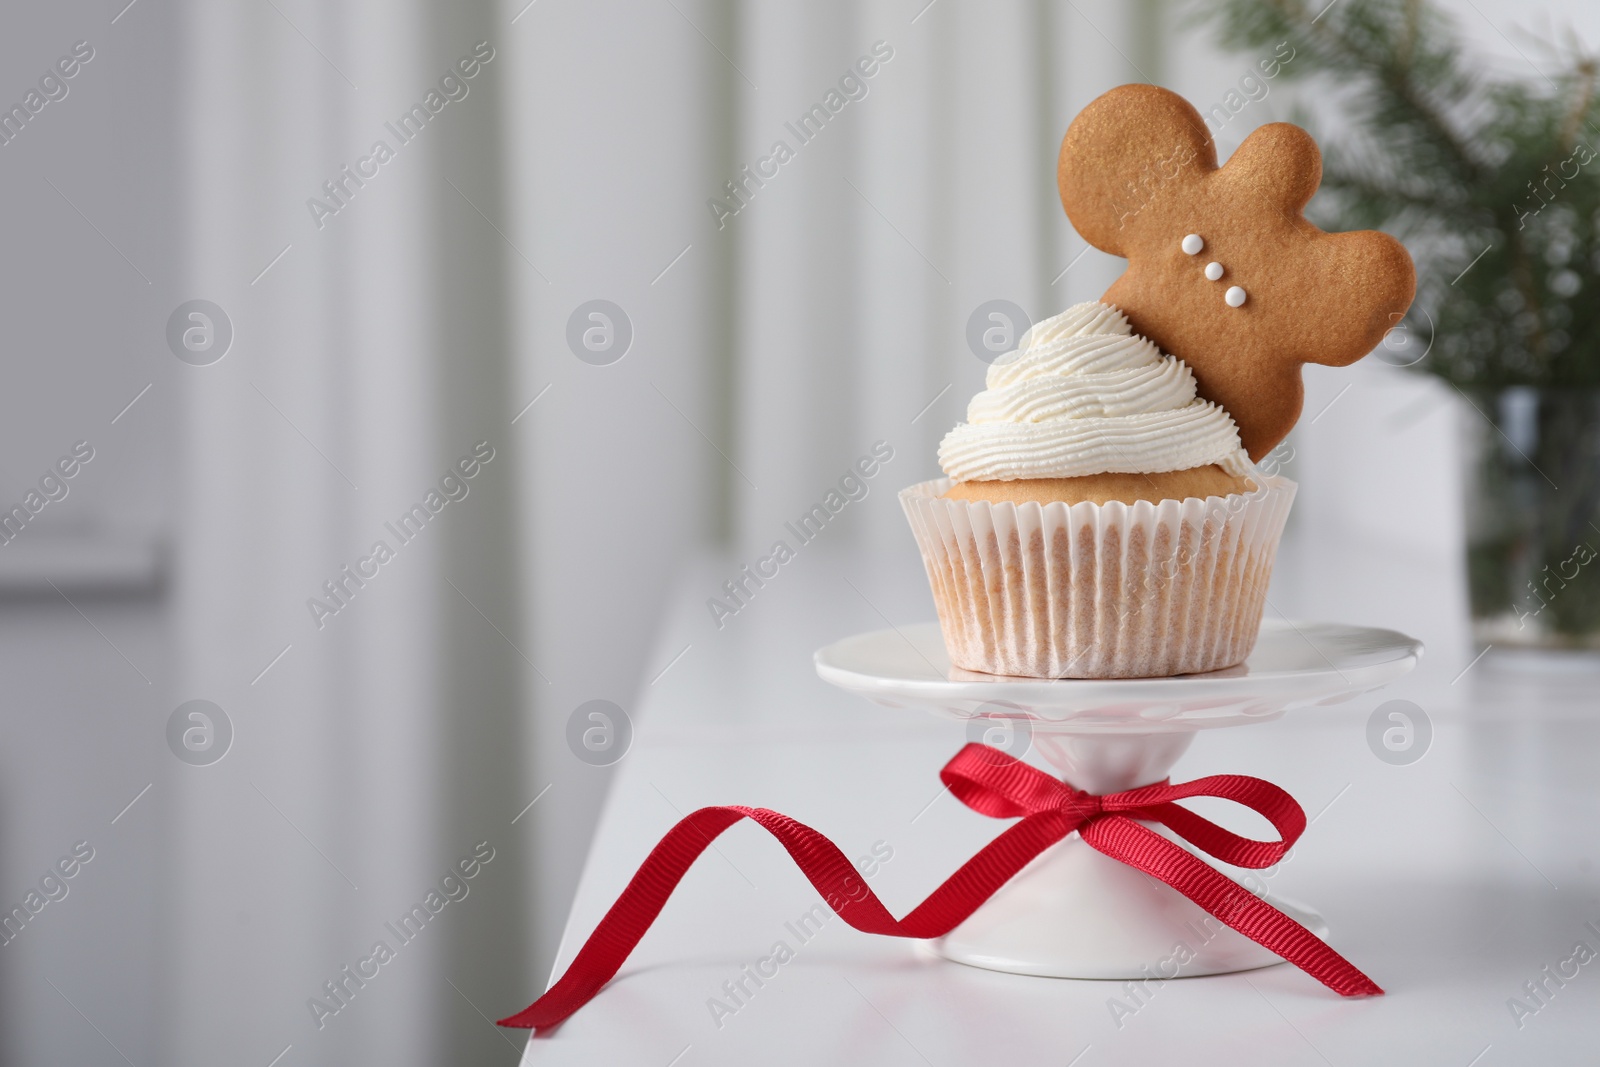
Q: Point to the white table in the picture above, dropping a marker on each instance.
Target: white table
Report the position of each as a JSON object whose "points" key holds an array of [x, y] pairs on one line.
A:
{"points": [[1452, 881]]}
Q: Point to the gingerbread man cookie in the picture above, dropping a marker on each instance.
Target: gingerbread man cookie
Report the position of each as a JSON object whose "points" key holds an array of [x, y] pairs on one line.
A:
{"points": [[1224, 271]]}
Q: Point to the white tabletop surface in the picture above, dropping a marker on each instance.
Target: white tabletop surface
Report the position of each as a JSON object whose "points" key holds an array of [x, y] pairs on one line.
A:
{"points": [[1451, 881]]}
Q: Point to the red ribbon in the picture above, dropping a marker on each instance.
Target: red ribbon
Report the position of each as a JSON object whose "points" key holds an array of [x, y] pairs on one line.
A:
{"points": [[991, 783]]}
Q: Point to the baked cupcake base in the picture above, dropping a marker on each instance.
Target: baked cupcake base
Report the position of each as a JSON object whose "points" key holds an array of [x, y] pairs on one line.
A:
{"points": [[1211, 480], [1091, 590]]}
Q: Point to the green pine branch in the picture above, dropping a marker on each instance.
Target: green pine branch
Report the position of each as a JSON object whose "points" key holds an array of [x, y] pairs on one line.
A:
{"points": [[1493, 184]]}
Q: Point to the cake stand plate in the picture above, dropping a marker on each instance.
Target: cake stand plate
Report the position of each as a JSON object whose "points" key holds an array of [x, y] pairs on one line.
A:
{"points": [[1073, 912]]}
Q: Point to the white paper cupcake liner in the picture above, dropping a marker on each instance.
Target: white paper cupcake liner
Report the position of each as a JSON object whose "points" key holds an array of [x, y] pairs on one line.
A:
{"points": [[1099, 590]]}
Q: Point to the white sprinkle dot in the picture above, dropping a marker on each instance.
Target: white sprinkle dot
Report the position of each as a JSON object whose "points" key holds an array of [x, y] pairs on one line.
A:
{"points": [[1192, 244], [1213, 270], [1234, 296]]}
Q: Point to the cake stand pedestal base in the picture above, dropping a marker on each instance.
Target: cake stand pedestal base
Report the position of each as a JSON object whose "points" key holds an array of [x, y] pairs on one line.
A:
{"points": [[1075, 913]]}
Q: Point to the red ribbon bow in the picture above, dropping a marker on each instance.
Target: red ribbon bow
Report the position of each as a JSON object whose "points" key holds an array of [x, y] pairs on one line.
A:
{"points": [[991, 783]]}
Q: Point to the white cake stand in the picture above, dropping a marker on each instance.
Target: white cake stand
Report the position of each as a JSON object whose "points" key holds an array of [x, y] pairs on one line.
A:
{"points": [[1073, 912]]}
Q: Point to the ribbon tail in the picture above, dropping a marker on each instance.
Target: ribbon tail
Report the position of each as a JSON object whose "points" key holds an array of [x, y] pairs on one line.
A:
{"points": [[633, 913], [1143, 849], [828, 870], [947, 907]]}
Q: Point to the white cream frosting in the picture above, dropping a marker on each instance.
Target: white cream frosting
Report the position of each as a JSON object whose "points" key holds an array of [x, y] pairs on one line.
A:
{"points": [[1083, 394]]}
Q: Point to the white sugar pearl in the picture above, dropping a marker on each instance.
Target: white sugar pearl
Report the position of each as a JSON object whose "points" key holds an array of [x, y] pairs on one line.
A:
{"points": [[1192, 244], [1234, 296], [1213, 270]]}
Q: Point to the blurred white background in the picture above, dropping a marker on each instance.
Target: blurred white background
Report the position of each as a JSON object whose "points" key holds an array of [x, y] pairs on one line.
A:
{"points": [[375, 345]]}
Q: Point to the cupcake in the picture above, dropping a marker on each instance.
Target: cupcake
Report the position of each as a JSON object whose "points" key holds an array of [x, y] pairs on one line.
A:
{"points": [[1099, 519], [1103, 516]]}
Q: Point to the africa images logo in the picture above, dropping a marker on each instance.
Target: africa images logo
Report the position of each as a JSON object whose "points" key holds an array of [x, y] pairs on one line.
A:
{"points": [[453, 87], [852, 86], [853, 485], [453, 487], [452, 887]]}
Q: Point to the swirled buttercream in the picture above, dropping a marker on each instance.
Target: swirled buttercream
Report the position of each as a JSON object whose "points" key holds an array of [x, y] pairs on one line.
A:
{"points": [[1083, 394]]}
